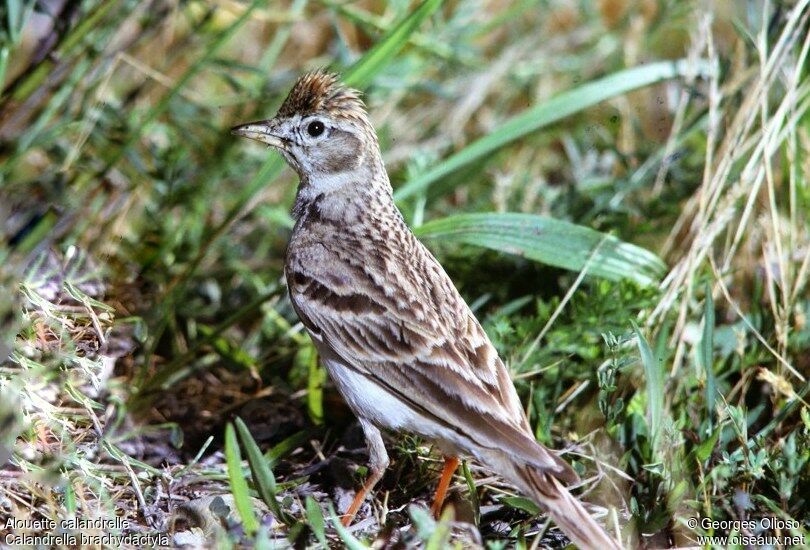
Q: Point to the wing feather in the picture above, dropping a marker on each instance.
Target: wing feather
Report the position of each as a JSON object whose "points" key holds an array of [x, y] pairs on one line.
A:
{"points": [[414, 335]]}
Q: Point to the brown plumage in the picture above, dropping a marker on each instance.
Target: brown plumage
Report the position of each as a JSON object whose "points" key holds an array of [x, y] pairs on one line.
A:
{"points": [[318, 91], [397, 338]]}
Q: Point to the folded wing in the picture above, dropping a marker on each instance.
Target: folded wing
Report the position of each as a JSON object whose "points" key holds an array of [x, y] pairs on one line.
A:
{"points": [[406, 328]]}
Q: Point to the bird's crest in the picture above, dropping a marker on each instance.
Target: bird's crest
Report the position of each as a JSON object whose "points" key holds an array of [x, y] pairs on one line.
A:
{"points": [[319, 91]]}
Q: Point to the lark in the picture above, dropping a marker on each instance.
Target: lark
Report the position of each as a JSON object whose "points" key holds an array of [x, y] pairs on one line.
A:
{"points": [[398, 340]]}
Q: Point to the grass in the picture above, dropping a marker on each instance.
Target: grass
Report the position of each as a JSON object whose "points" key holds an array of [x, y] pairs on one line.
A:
{"points": [[619, 191]]}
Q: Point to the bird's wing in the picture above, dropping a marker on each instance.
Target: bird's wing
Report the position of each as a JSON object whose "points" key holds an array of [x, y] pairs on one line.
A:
{"points": [[398, 320]]}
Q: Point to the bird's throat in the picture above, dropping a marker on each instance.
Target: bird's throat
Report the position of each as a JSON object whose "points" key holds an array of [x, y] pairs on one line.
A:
{"points": [[343, 196]]}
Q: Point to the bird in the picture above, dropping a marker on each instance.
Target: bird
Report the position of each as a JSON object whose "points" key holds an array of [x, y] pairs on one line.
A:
{"points": [[398, 340]]}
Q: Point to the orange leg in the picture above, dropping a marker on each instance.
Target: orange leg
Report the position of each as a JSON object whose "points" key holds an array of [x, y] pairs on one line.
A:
{"points": [[359, 497], [450, 465], [378, 462]]}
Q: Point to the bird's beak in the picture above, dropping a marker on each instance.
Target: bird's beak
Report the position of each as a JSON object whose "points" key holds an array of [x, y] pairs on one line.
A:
{"points": [[263, 130]]}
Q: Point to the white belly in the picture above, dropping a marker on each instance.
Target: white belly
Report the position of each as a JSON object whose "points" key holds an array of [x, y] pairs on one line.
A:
{"points": [[377, 405], [370, 401]]}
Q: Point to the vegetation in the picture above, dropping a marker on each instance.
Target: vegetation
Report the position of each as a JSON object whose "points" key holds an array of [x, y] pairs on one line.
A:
{"points": [[620, 190]]}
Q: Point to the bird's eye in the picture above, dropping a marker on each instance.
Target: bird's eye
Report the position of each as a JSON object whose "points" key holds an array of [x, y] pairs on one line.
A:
{"points": [[315, 128]]}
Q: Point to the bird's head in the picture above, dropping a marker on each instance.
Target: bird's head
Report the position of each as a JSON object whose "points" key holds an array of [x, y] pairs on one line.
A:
{"points": [[321, 129]]}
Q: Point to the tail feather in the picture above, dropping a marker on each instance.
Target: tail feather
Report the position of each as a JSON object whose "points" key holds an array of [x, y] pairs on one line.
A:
{"points": [[566, 511]]}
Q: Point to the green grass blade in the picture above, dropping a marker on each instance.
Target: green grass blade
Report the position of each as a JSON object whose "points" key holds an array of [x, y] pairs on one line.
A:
{"points": [[286, 446], [73, 39], [423, 521], [378, 23], [468, 478], [316, 376], [556, 108], [4, 55], [315, 517], [239, 487], [163, 103], [705, 354], [349, 541], [262, 474], [522, 503], [70, 497], [361, 73], [655, 386], [553, 242], [280, 38], [263, 540], [440, 538]]}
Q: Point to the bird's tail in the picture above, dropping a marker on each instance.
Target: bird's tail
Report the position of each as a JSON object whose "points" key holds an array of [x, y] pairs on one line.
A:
{"points": [[566, 511]]}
